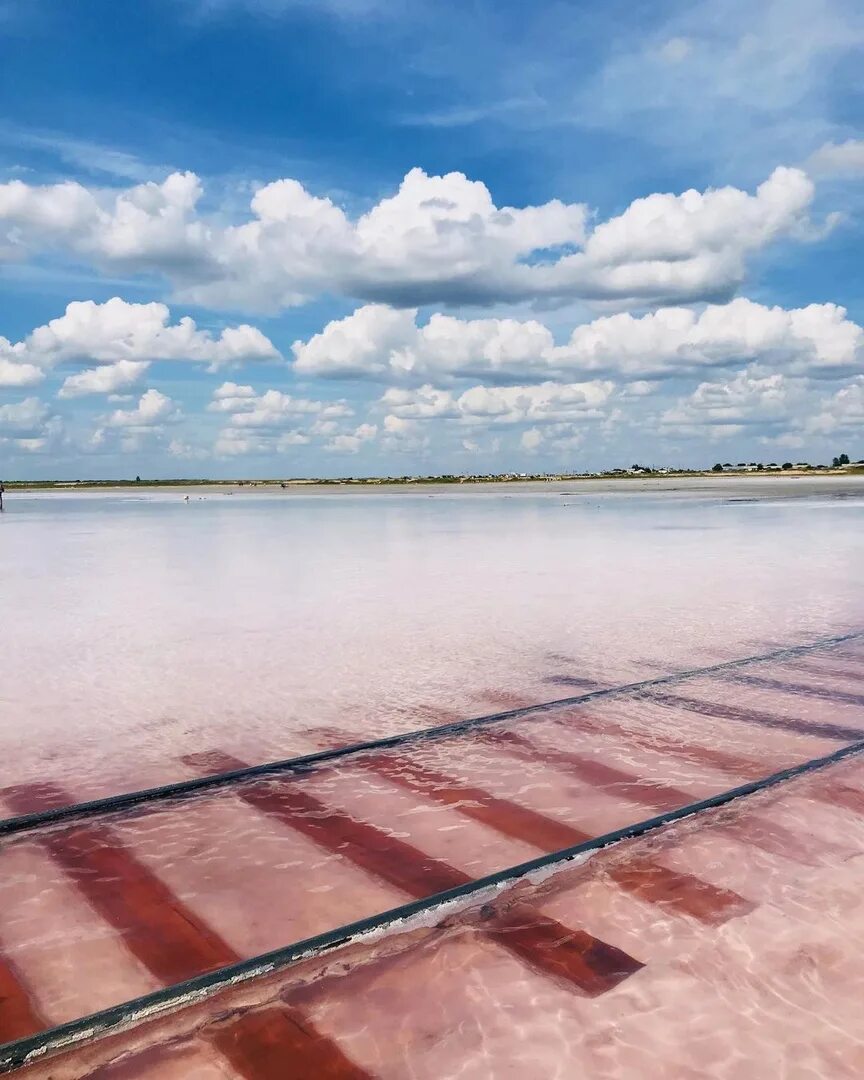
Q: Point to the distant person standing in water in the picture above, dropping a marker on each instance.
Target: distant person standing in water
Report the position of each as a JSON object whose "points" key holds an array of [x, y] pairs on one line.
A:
{"points": [[2, 491]]}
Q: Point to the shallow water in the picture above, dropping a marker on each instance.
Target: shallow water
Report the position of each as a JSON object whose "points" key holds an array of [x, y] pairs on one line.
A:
{"points": [[155, 640], [104, 909], [137, 629], [773, 987]]}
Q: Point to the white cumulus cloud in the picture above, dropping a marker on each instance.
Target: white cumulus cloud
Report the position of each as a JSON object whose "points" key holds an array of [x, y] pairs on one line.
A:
{"points": [[352, 441], [271, 409], [276, 422], [153, 410], [13, 373], [722, 409], [838, 159], [843, 411], [377, 341], [234, 443], [29, 425], [542, 403], [120, 331], [531, 439], [24, 417], [437, 239], [110, 379]]}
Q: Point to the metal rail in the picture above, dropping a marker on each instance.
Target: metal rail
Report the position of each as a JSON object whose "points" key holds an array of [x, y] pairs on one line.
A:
{"points": [[304, 763], [13, 1055]]}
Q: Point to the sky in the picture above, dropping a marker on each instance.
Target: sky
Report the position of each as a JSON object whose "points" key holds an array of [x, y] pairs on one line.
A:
{"points": [[276, 238]]}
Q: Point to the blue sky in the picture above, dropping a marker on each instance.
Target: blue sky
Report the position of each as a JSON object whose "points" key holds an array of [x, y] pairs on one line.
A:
{"points": [[285, 237]]}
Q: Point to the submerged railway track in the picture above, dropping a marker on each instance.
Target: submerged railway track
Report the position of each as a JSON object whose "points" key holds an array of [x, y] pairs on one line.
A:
{"points": [[76, 835]]}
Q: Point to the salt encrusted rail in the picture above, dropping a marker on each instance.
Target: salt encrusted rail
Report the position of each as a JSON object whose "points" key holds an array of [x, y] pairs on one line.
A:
{"points": [[186, 788], [64, 1036]]}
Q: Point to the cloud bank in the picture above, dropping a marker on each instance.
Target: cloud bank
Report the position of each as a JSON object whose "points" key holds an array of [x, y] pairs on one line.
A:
{"points": [[126, 336], [437, 239], [382, 342]]}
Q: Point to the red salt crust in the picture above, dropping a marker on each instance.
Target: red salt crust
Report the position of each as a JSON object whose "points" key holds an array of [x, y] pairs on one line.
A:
{"points": [[649, 880], [758, 717], [745, 735], [736, 764], [174, 944], [802, 689], [662, 797], [599, 717], [256, 881], [589, 965], [607, 778], [264, 1045], [461, 1003], [31, 798], [18, 1016], [813, 669]]}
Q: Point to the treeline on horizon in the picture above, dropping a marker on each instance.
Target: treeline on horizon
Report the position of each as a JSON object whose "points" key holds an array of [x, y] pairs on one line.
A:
{"points": [[841, 462]]}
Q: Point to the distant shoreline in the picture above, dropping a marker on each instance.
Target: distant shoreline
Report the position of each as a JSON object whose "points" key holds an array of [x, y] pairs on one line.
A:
{"points": [[836, 482], [443, 481]]}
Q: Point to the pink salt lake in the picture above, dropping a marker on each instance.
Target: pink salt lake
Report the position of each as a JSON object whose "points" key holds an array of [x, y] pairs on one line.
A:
{"points": [[153, 641]]}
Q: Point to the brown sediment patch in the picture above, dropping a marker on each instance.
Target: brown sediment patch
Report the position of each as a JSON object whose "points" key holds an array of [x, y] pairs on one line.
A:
{"points": [[839, 794], [438, 714], [208, 762], [159, 1060], [272, 1043], [155, 924]]}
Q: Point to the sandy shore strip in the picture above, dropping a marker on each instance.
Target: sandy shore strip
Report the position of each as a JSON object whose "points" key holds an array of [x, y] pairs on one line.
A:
{"points": [[752, 487]]}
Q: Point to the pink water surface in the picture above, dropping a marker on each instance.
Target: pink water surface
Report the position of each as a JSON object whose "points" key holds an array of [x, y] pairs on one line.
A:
{"points": [[150, 640], [137, 629], [99, 911], [774, 991]]}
